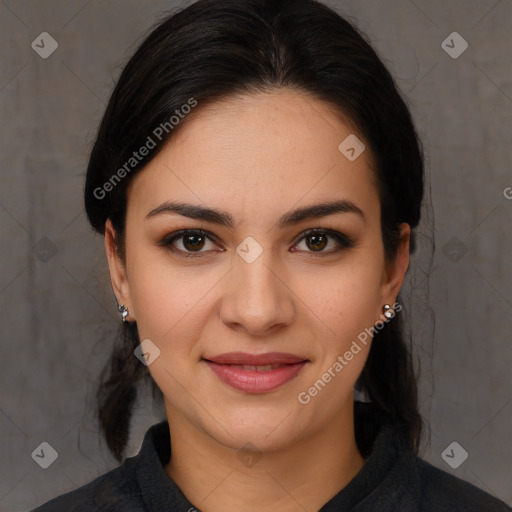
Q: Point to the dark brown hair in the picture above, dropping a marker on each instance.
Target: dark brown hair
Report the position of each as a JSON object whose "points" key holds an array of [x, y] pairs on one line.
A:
{"points": [[214, 49]]}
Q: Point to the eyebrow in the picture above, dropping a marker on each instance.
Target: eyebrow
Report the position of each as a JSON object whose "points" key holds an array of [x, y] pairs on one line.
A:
{"points": [[292, 218]]}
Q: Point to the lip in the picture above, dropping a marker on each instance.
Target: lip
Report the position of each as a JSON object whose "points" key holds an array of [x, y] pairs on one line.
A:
{"points": [[238, 370]]}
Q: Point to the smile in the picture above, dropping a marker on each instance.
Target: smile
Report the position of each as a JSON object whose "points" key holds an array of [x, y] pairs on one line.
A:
{"points": [[256, 373]]}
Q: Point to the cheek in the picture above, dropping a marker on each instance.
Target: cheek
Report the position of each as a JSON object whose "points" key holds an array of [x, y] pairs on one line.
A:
{"points": [[170, 310], [345, 299], [163, 294], [167, 302], [345, 304]]}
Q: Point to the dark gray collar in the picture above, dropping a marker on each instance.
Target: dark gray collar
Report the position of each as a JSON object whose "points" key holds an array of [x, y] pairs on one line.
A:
{"points": [[385, 473]]}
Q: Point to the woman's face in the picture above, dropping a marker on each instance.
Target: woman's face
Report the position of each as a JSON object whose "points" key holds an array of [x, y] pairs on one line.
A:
{"points": [[255, 284]]}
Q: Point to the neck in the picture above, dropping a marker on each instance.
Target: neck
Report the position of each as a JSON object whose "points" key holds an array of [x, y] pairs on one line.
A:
{"points": [[305, 475]]}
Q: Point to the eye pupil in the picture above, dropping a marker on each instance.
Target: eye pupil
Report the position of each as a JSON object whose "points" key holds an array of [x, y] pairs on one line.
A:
{"points": [[190, 244], [318, 241]]}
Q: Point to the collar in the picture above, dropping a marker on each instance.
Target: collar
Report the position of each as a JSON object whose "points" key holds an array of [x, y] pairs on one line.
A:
{"points": [[159, 492], [378, 477]]}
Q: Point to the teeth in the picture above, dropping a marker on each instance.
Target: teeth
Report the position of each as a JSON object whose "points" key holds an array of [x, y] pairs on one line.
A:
{"points": [[254, 368], [266, 367]]}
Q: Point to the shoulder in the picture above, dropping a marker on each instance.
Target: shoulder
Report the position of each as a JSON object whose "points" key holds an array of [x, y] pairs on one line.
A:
{"points": [[138, 481], [113, 491], [441, 491]]}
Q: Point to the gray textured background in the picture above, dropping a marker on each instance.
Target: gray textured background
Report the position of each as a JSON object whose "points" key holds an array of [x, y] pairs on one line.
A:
{"points": [[57, 312]]}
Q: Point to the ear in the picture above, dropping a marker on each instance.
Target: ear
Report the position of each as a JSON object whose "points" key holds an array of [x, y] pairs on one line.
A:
{"points": [[117, 269], [396, 269]]}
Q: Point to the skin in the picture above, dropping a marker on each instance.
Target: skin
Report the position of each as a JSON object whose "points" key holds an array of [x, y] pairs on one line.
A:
{"points": [[257, 157]]}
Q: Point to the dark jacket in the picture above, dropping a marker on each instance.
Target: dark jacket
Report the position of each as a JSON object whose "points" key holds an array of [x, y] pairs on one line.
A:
{"points": [[392, 480]]}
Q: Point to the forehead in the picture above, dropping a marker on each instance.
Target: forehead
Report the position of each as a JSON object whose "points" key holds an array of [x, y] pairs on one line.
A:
{"points": [[284, 122], [263, 150]]}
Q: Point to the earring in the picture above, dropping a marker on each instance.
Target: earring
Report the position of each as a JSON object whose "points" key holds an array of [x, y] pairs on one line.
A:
{"points": [[388, 311], [124, 311]]}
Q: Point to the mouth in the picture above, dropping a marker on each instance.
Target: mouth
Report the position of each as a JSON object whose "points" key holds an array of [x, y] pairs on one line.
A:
{"points": [[256, 373]]}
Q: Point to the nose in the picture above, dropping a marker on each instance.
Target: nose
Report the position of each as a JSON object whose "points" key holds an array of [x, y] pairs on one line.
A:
{"points": [[257, 298]]}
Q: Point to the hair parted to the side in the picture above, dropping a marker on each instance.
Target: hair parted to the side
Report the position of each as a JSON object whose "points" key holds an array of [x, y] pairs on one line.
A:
{"points": [[212, 50]]}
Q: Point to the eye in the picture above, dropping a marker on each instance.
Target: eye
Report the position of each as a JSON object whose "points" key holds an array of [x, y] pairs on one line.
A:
{"points": [[188, 241], [316, 240]]}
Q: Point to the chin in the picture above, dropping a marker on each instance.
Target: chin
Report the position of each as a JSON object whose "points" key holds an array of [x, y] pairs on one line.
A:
{"points": [[267, 430]]}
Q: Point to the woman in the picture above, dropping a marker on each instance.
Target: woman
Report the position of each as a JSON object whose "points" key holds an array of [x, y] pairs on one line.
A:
{"points": [[258, 180]]}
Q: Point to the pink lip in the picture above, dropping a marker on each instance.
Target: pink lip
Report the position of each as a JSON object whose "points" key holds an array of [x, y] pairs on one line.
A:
{"points": [[229, 369]]}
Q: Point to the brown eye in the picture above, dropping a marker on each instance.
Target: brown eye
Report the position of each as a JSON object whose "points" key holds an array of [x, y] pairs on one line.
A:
{"points": [[188, 241], [193, 242], [316, 241]]}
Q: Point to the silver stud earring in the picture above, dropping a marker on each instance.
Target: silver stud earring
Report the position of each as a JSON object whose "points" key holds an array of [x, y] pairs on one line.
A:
{"points": [[124, 312], [388, 311]]}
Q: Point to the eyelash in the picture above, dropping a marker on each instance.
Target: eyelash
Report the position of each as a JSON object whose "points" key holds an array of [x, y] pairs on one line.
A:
{"points": [[344, 241]]}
